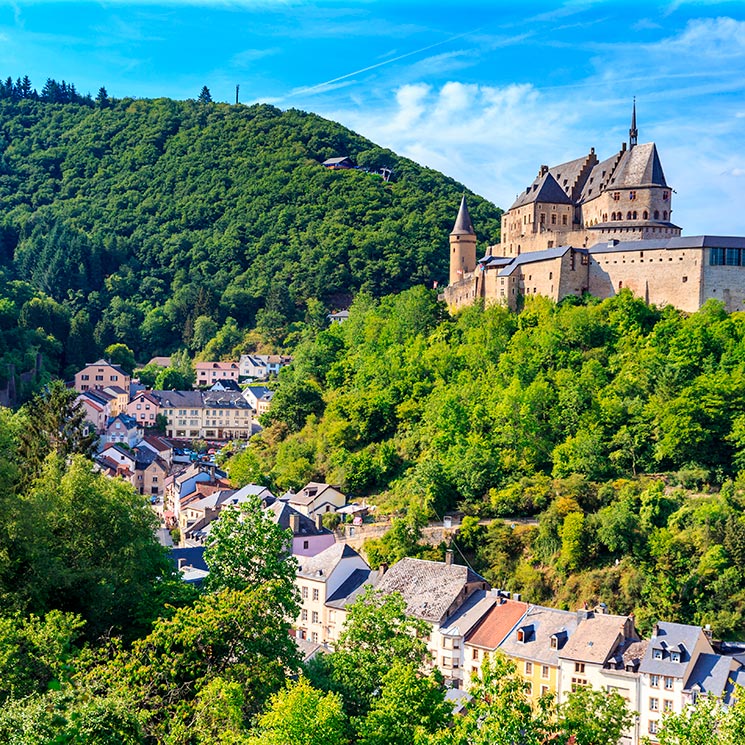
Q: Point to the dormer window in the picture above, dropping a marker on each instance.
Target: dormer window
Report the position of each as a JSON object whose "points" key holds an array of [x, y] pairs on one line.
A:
{"points": [[521, 635], [674, 656], [656, 654], [554, 642]]}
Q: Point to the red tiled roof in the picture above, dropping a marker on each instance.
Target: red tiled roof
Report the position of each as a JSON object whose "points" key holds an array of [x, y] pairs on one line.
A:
{"points": [[497, 624]]}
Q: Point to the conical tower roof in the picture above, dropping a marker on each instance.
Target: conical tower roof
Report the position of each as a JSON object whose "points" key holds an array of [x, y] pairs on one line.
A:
{"points": [[463, 224]]}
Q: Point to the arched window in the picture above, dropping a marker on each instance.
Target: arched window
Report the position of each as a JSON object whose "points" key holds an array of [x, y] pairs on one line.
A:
{"points": [[628, 215], [664, 214], [633, 215], [656, 214], [645, 215]]}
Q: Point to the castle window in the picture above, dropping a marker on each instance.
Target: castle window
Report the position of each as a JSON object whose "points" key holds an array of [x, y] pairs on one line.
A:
{"points": [[632, 195], [656, 214], [550, 275], [732, 257], [645, 215], [620, 284], [563, 219], [685, 279], [633, 215], [616, 196], [664, 214], [716, 256], [666, 195], [553, 219], [543, 217], [628, 215]]}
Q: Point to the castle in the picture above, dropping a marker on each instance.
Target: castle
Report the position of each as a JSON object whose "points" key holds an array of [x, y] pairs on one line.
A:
{"points": [[591, 226]]}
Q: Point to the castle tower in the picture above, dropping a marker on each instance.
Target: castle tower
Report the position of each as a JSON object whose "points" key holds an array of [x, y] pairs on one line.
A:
{"points": [[462, 245], [633, 132]]}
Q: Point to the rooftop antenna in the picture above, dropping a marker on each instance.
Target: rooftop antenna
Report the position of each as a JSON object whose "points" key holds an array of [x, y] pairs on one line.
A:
{"points": [[633, 132], [237, 88]]}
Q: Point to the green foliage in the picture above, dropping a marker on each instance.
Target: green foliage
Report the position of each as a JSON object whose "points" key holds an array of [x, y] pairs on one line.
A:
{"points": [[377, 631], [122, 355], [595, 717], [302, 715]]}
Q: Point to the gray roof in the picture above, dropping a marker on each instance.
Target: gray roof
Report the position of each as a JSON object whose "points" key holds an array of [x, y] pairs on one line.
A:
{"points": [[544, 189], [281, 512], [463, 224], [668, 637], [352, 587], [546, 622], [176, 399], [194, 557], [599, 177], [430, 588], [710, 674], [639, 166], [531, 257], [323, 564], [671, 244], [469, 614]]}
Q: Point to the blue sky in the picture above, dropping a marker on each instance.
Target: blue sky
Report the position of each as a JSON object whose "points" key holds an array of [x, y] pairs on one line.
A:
{"points": [[483, 91]]}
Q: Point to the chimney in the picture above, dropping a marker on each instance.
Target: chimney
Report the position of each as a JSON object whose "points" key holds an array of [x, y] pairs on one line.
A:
{"points": [[382, 569], [319, 522], [449, 557], [181, 563], [295, 524], [543, 171]]}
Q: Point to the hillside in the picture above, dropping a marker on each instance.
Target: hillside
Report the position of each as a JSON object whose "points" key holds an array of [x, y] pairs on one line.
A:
{"points": [[142, 215]]}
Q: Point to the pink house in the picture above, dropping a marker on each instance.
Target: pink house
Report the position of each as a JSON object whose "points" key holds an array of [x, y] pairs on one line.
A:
{"points": [[208, 373], [309, 537]]}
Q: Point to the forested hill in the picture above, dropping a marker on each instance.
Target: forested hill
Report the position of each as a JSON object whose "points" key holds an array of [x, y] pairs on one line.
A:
{"points": [[146, 214]]}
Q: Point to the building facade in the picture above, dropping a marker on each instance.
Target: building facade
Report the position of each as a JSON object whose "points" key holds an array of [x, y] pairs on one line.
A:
{"points": [[597, 227]]}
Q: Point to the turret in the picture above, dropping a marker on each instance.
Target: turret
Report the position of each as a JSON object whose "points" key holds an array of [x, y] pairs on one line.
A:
{"points": [[462, 245], [633, 132]]}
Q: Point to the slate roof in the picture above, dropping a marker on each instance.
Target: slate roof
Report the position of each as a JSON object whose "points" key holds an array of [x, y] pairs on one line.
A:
{"points": [[309, 493], [498, 621], [104, 363], [179, 399], [710, 674], [352, 587], [545, 623], [463, 224], [543, 189], [599, 178], [281, 512], [225, 385], [469, 615], [672, 244], [639, 166], [430, 588], [194, 557], [323, 564], [595, 638], [667, 637], [530, 257]]}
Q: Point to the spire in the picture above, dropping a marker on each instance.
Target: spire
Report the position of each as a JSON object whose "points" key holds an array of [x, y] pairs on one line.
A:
{"points": [[463, 224], [633, 132]]}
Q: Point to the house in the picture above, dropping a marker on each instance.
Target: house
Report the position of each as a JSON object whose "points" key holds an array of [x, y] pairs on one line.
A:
{"points": [[316, 498], [534, 643], [261, 366], [340, 600], [259, 398], [149, 473], [160, 446], [229, 384], [319, 577], [433, 592], [590, 655], [123, 429], [159, 362], [97, 409], [190, 563], [488, 617], [338, 317], [209, 373], [309, 537], [680, 665], [99, 375], [343, 163], [144, 407], [118, 404], [114, 460], [209, 415]]}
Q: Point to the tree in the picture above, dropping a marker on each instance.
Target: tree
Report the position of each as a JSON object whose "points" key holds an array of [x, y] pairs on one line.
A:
{"points": [[247, 549], [410, 706], [499, 712], [302, 715], [102, 98], [122, 355], [236, 636], [294, 402], [204, 95], [85, 544], [377, 630], [595, 717], [52, 423], [204, 330]]}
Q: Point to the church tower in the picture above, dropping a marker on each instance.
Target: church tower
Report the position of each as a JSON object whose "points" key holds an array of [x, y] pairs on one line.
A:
{"points": [[633, 131], [462, 245]]}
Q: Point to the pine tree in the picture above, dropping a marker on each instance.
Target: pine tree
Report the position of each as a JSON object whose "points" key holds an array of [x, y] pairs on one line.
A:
{"points": [[205, 96]]}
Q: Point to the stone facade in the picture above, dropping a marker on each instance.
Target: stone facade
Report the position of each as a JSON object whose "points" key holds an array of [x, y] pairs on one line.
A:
{"points": [[590, 226]]}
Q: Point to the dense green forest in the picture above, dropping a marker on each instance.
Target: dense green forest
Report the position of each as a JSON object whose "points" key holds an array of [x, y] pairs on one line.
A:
{"points": [[620, 426], [126, 221]]}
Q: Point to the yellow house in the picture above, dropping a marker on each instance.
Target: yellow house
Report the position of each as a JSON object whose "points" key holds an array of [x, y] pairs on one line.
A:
{"points": [[535, 644]]}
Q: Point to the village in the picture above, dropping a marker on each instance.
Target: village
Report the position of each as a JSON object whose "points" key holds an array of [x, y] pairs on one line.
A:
{"points": [[556, 650]]}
